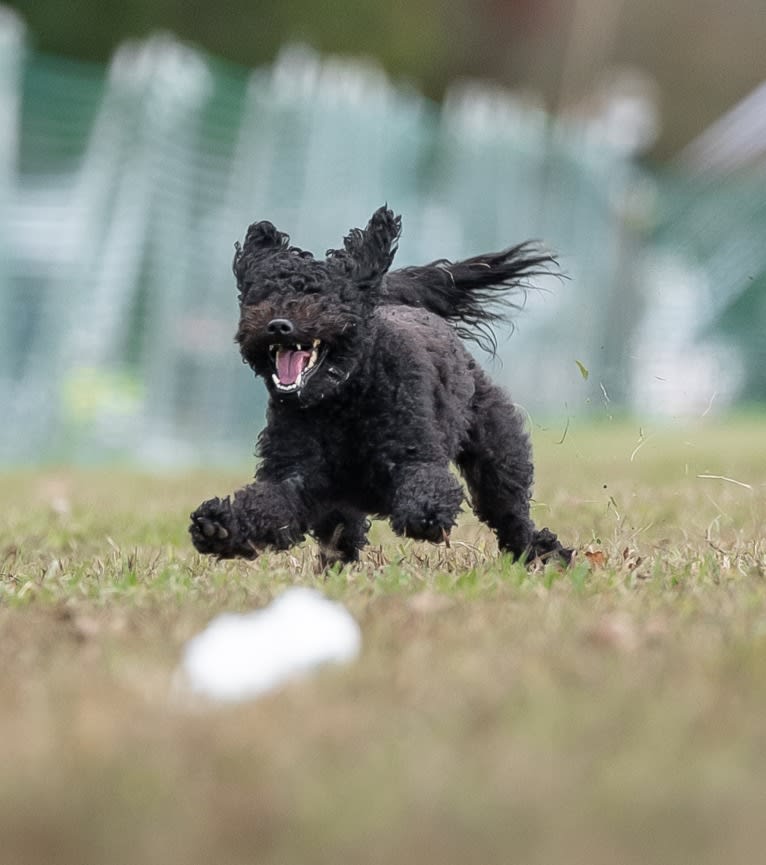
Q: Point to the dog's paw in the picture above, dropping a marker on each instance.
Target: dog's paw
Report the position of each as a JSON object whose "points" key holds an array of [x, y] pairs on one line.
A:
{"points": [[546, 546], [213, 530], [429, 525], [426, 501]]}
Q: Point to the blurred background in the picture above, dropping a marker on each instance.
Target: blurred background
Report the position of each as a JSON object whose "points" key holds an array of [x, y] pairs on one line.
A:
{"points": [[139, 138]]}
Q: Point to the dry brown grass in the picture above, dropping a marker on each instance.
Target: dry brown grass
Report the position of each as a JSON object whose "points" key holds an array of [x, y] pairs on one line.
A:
{"points": [[613, 713]]}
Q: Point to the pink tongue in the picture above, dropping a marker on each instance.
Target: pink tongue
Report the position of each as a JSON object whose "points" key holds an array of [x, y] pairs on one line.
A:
{"points": [[289, 363]]}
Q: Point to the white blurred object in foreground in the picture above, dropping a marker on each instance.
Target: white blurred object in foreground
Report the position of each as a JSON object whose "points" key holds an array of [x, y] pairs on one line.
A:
{"points": [[239, 656]]}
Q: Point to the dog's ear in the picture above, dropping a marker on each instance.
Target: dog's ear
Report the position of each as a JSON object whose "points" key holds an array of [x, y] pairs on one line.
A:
{"points": [[261, 241], [368, 253]]}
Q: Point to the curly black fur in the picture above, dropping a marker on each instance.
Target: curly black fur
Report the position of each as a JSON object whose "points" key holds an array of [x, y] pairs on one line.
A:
{"points": [[372, 396]]}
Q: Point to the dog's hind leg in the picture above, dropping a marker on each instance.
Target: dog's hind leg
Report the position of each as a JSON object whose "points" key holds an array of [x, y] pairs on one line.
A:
{"points": [[496, 463], [341, 533]]}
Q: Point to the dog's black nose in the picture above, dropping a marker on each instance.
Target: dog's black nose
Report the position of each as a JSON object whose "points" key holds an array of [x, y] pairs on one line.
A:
{"points": [[280, 326]]}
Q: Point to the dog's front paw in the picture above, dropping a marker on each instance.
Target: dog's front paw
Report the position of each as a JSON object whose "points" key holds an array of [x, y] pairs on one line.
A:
{"points": [[546, 546], [421, 529], [213, 530], [427, 523], [426, 502]]}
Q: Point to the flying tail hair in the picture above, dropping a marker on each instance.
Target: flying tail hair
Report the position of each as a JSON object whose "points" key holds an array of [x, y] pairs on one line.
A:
{"points": [[473, 294]]}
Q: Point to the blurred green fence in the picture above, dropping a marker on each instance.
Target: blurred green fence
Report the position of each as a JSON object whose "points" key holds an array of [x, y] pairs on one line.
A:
{"points": [[716, 221], [122, 191]]}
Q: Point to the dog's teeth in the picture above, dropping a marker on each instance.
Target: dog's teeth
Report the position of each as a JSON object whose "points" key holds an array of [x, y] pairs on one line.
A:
{"points": [[275, 379], [299, 347], [316, 343]]}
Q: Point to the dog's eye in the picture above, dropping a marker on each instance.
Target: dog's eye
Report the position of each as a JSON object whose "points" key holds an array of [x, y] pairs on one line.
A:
{"points": [[306, 285], [253, 292]]}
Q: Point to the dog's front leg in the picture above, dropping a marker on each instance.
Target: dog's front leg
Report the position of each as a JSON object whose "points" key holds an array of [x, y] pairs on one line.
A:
{"points": [[425, 502], [263, 514]]}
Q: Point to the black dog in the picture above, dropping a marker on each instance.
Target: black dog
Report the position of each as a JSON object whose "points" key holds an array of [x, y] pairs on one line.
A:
{"points": [[372, 395]]}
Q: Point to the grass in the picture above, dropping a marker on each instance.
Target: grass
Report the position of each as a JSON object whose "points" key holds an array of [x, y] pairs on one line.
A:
{"points": [[612, 713]]}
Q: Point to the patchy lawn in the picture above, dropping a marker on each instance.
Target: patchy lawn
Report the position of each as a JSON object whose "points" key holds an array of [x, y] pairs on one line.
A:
{"points": [[613, 713]]}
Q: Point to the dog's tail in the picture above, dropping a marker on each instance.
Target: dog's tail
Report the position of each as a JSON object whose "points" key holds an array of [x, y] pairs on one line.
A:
{"points": [[473, 294]]}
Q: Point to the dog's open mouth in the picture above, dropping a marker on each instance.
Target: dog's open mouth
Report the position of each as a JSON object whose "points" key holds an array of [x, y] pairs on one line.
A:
{"points": [[295, 364]]}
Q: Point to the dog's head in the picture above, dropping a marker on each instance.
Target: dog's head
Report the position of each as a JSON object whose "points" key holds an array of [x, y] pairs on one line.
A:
{"points": [[305, 323]]}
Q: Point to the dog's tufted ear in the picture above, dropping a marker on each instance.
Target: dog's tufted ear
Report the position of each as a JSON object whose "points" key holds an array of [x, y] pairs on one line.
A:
{"points": [[261, 241], [263, 238], [368, 253]]}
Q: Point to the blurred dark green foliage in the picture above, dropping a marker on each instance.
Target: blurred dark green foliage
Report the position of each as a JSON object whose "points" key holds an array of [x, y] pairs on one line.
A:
{"points": [[411, 39], [703, 54]]}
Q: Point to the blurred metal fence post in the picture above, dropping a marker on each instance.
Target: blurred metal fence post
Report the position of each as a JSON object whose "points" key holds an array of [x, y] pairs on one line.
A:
{"points": [[11, 59]]}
